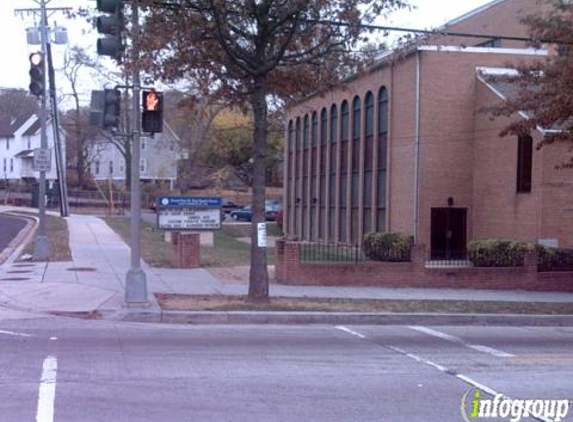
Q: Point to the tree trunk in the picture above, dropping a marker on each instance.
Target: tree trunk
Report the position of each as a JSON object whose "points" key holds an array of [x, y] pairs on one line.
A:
{"points": [[258, 277]]}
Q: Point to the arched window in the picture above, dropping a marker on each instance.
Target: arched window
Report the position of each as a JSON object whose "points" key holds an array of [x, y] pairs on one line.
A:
{"points": [[321, 171], [305, 162], [344, 126], [355, 179], [290, 172], [381, 159], [297, 172], [368, 160], [332, 172], [313, 176]]}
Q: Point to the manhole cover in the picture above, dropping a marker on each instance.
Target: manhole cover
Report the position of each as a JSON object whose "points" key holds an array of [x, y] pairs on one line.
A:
{"points": [[81, 269], [19, 272], [15, 279]]}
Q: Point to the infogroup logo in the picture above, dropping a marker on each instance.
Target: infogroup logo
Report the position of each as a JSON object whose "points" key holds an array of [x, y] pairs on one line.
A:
{"points": [[474, 408]]}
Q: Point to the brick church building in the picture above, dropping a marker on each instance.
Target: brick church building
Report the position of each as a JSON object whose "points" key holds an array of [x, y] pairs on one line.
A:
{"points": [[405, 148]]}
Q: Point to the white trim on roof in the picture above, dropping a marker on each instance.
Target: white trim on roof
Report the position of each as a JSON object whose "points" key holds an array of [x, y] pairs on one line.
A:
{"points": [[488, 50], [523, 114], [496, 71]]}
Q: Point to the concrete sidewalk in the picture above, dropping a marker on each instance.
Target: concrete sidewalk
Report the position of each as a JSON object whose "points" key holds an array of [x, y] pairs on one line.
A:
{"points": [[94, 281]]}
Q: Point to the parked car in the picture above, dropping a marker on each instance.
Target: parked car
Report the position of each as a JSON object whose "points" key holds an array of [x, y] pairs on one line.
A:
{"points": [[272, 211], [243, 213], [227, 205]]}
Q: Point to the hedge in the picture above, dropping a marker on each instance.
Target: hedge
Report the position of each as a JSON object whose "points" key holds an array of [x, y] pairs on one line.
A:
{"points": [[497, 253], [388, 247]]}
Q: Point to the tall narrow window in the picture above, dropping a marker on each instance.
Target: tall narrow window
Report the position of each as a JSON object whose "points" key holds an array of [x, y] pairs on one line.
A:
{"points": [[11, 165], [368, 157], [332, 171], [524, 163], [297, 191], [354, 194], [305, 179], [290, 179], [322, 174], [381, 159], [343, 172], [111, 167], [313, 176], [97, 167]]}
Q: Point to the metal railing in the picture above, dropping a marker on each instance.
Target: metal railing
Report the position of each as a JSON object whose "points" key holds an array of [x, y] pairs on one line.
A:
{"points": [[448, 259], [321, 252]]}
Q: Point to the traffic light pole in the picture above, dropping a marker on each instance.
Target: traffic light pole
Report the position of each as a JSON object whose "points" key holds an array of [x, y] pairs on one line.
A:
{"points": [[42, 248], [136, 283]]}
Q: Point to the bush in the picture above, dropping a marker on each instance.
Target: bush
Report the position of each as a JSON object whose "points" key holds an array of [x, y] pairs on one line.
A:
{"points": [[554, 259], [497, 253], [388, 247]]}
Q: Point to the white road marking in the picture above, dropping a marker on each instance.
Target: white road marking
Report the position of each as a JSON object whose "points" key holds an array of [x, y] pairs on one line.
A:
{"points": [[53, 338], [484, 349], [443, 369], [47, 393], [349, 331], [12, 333]]}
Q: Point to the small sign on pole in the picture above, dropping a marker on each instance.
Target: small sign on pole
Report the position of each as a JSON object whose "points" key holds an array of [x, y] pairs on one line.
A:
{"points": [[262, 235], [42, 159]]}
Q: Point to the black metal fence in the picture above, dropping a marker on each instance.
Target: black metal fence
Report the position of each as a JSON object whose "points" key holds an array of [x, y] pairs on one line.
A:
{"points": [[321, 252], [549, 259], [448, 259]]}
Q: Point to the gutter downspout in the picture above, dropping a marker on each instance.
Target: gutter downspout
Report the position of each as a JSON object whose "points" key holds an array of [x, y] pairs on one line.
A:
{"points": [[416, 214]]}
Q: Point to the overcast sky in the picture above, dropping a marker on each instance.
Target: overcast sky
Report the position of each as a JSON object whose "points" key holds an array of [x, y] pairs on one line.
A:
{"points": [[15, 50]]}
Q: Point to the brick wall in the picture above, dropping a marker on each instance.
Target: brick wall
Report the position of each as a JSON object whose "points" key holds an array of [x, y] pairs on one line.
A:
{"points": [[289, 270], [186, 250]]}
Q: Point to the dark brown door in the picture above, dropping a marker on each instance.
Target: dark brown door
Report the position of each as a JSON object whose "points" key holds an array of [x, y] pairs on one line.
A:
{"points": [[449, 233]]}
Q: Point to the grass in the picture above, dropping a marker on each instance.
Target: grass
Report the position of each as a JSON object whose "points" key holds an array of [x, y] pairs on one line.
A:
{"points": [[226, 252], [58, 238], [175, 302]]}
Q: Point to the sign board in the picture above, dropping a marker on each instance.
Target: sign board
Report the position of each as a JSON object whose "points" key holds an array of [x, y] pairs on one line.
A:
{"points": [[262, 235], [188, 213], [42, 159]]}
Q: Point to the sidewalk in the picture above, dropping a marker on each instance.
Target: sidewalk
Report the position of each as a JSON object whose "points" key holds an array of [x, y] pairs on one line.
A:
{"points": [[94, 281]]}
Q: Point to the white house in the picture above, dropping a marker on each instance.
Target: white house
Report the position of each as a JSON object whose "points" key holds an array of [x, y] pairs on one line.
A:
{"points": [[19, 138], [158, 163]]}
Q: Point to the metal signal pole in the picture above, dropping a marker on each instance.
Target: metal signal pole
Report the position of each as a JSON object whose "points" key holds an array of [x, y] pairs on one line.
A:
{"points": [[136, 283]]}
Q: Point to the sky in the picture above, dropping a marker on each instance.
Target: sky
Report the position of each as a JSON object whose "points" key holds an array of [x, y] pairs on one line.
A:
{"points": [[15, 51]]}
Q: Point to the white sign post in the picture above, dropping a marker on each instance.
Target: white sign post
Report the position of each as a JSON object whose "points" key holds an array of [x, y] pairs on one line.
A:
{"points": [[262, 235], [42, 159]]}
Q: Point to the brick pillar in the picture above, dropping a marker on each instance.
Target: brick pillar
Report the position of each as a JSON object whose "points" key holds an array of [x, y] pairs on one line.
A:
{"points": [[186, 252], [418, 258], [291, 261], [279, 260], [530, 266]]}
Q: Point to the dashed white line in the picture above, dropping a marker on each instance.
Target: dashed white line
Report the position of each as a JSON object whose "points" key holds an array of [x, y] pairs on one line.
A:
{"points": [[484, 349], [12, 333], [47, 393], [349, 331]]}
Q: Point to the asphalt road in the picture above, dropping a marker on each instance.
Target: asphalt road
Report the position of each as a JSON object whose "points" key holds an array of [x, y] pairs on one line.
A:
{"points": [[9, 229], [70, 371]]}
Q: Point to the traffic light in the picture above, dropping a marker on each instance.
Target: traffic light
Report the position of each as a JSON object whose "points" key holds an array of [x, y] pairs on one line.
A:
{"points": [[37, 79], [152, 116], [105, 109], [111, 26]]}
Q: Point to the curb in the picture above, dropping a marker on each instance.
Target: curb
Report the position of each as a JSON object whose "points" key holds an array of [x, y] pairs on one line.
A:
{"points": [[334, 318], [11, 252]]}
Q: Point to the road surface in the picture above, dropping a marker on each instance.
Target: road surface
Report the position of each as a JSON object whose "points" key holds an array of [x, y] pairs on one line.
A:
{"points": [[66, 370]]}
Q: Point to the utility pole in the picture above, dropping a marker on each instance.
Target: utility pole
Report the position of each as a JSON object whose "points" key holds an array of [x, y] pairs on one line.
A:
{"points": [[136, 283], [42, 248]]}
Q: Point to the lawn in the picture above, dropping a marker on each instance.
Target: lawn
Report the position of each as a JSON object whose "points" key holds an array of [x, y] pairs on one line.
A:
{"points": [[226, 252], [174, 302], [58, 238]]}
